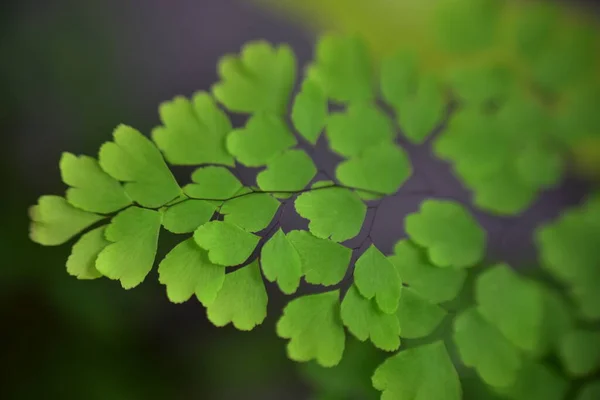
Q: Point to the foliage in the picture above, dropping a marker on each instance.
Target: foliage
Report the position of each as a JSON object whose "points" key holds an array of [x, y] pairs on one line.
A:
{"points": [[437, 295]]}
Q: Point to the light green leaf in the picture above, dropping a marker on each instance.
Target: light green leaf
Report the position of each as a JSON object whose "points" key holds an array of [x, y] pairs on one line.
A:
{"points": [[186, 271], [253, 212], [399, 77], [227, 244], [381, 168], [483, 347], [133, 159], [513, 304], [213, 183], [193, 132], [309, 112], [419, 373], [376, 277], [323, 262], [364, 320], [539, 167], [82, 261], [343, 69], [467, 26], [421, 113], [188, 215], [536, 382], [334, 213], [54, 221], [580, 352], [435, 284], [360, 126], [259, 80], [264, 137], [130, 256], [418, 317], [478, 85], [314, 327], [281, 262], [591, 391], [288, 172], [452, 237], [91, 189], [242, 300]]}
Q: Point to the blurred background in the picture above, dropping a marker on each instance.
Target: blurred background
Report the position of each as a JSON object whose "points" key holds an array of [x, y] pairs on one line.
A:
{"points": [[70, 71]]}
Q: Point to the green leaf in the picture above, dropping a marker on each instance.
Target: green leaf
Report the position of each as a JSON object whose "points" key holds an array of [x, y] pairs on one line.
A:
{"points": [[281, 262], [188, 215], [418, 317], [590, 391], [323, 262], [478, 85], [559, 319], [419, 373], [133, 159], [376, 277], [91, 189], [288, 172], [421, 113], [580, 352], [82, 261], [435, 284], [381, 168], [451, 235], [186, 271], [467, 26], [213, 183], [54, 221], [539, 167], [399, 77], [242, 300], [227, 244], [513, 304], [334, 213], [264, 137], [483, 347], [536, 382], [365, 321], [252, 213], [360, 126], [343, 69], [259, 80], [309, 112], [193, 131], [314, 327], [130, 256]]}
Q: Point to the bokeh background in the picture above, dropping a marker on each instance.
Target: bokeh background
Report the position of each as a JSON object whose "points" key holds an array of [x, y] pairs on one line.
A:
{"points": [[70, 71]]}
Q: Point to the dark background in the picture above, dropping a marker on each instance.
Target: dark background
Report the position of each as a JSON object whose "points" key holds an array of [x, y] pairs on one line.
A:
{"points": [[70, 71]]}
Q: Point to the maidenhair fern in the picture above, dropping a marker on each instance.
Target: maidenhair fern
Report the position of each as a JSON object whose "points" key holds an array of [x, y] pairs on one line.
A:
{"points": [[506, 143]]}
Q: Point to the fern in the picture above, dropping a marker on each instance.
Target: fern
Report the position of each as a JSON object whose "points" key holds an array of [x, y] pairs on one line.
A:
{"points": [[502, 143]]}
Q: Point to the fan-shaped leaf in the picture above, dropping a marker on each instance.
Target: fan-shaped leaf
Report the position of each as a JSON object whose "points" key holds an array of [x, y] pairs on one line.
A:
{"points": [[376, 277], [252, 213], [313, 325], [186, 271], [536, 381], [92, 189], [213, 183], [133, 159], [418, 317], [334, 213], [309, 112], [54, 221], [193, 132], [419, 373], [323, 262], [365, 320], [580, 352], [188, 215], [82, 261], [242, 300], [281, 262], [289, 172], [259, 80], [130, 256], [226, 243], [264, 137]]}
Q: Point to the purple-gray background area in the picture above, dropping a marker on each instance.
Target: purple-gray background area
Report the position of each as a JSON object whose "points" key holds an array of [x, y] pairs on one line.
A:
{"points": [[70, 72]]}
